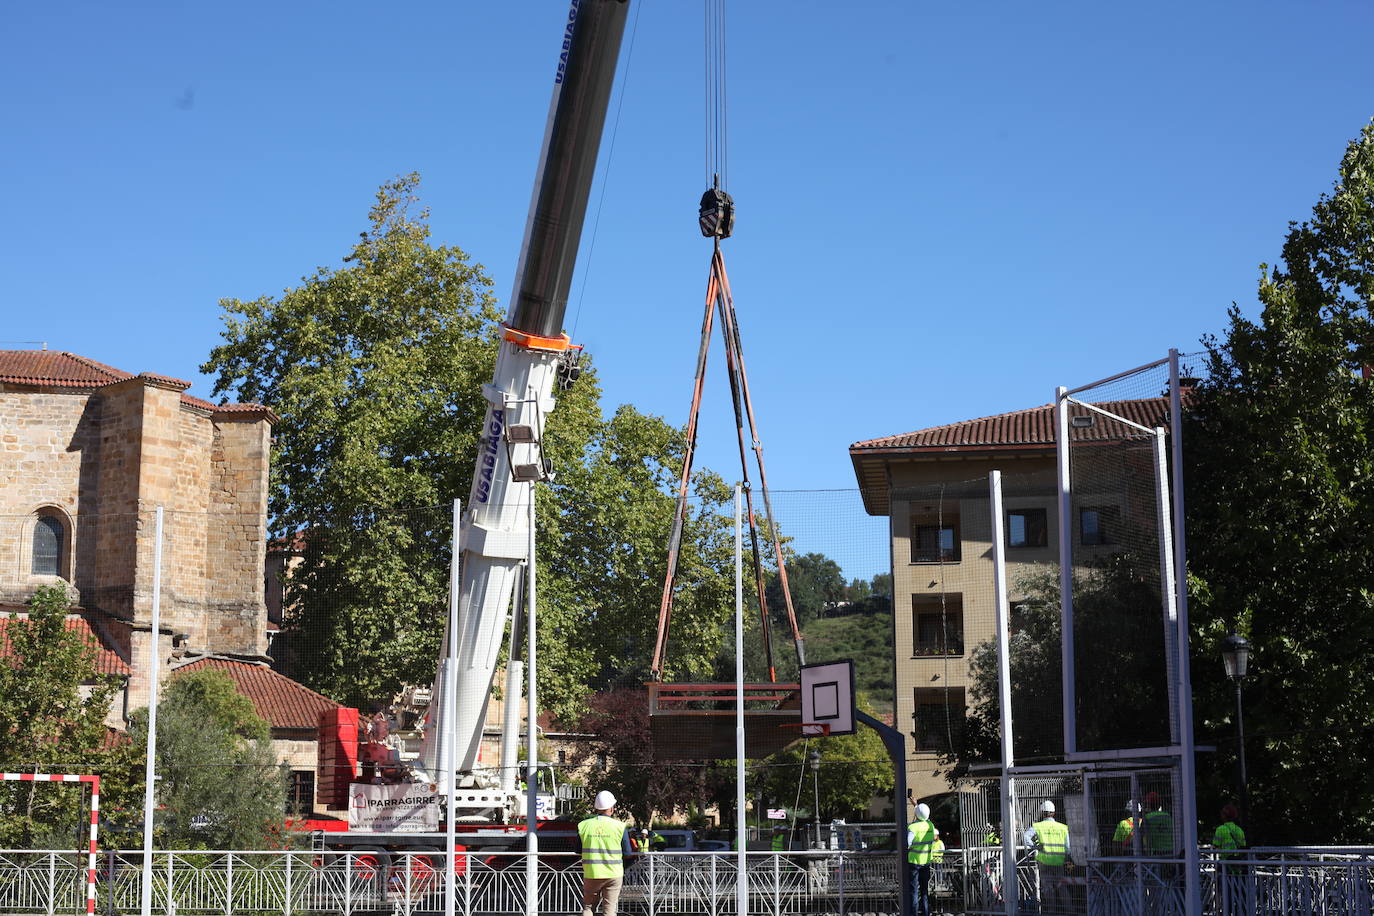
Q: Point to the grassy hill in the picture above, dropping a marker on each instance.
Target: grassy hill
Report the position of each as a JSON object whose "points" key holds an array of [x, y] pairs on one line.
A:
{"points": [[865, 637]]}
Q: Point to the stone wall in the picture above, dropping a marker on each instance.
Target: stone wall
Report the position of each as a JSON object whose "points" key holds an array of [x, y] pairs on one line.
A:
{"points": [[101, 460]]}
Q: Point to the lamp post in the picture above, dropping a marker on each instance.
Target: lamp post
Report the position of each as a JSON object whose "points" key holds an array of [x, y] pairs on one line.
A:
{"points": [[1235, 654], [815, 759]]}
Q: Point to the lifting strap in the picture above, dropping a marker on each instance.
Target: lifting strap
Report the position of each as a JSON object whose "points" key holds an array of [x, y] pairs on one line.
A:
{"points": [[720, 301]]}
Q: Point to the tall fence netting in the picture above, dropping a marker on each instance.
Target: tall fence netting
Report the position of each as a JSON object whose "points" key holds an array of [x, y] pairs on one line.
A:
{"points": [[263, 633]]}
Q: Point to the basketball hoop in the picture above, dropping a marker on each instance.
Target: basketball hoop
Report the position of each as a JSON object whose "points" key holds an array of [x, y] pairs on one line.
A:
{"points": [[809, 729]]}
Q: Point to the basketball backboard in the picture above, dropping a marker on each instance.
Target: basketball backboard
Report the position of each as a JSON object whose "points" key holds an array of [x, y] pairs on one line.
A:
{"points": [[827, 696]]}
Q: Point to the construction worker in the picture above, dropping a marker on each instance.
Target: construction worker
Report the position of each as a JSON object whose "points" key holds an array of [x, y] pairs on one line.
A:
{"points": [[779, 839], [603, 843], [1229, 838], [1157, 827], [1234, 889], [921, 835], [1124, 838], [1050, 840]]}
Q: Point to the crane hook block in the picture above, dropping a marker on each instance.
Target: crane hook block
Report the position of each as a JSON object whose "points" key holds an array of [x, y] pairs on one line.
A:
{"points": [[717, 214]]}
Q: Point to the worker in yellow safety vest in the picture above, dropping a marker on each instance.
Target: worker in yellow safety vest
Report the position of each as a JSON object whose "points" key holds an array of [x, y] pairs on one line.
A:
{"points": [[921, 836], [1050, 839], [1124, 838], [1229, 838], [603, 843], [1157, 827]]}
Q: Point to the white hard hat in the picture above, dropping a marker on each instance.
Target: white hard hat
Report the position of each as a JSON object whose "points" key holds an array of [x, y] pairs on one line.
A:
{"points": [[1047, 807], [922, 811], [1131, 806], [604, 801]]}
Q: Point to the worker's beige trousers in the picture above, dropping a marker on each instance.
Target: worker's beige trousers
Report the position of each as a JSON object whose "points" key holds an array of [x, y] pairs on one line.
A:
{"points": [[607, 890]]}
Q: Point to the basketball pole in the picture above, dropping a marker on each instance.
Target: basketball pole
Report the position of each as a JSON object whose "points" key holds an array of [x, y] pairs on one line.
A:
{"points": [[741, 879], [895, 742]]}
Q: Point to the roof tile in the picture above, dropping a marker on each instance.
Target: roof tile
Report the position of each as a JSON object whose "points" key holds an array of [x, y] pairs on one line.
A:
{"points": [[1031, 427], [281, 701], [107, 660], [59, 369]]}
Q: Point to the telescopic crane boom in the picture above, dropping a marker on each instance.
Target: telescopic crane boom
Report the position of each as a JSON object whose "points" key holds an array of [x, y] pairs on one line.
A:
{"points": [[534, 355]]}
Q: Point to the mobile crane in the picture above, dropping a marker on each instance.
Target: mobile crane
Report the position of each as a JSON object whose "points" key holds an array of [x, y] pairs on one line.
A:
{"points": [[534, 357]]}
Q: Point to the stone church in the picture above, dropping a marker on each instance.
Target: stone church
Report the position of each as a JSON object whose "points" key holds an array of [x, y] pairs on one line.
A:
{"points": [[87, 454]]}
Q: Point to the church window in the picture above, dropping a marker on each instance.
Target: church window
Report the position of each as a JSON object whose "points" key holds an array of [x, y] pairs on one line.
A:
{"points": [[49, 538]]}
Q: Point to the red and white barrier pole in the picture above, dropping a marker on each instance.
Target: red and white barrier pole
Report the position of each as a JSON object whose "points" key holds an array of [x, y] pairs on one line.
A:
{"points": [[95, 819]]}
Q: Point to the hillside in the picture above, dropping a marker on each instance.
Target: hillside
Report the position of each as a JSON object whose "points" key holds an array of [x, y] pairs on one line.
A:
{"points": [[866, 638]]}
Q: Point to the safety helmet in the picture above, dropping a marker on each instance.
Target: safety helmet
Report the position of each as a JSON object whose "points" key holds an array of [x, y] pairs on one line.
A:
{"points": [[923, 812], [604, 801], [1047, 807], [1131, 807]]}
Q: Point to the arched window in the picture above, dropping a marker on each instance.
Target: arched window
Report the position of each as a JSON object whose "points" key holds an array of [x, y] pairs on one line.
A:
{"points": [[49, 538]]}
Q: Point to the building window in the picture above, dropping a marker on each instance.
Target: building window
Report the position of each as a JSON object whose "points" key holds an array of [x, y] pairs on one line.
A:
{"points": [[49, 539], [938, 624], [935, 540], [939, 718], [300, 792], [1097, 525], [1027, 528]]}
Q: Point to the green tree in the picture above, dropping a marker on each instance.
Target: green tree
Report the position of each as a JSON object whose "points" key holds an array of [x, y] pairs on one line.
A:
{"points": [[649, 789], [48, 724], [1281, 513], [376, 371], [854, 770], [816, 584], [605, 528], [220, 785], [1118, 642]]}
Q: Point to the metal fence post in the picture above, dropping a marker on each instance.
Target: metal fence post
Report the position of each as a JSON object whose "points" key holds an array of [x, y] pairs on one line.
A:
{"points": [[653, 902], [286, 907], [777, 885], [841, 867], [714, 888], [229, 885], [109, 882], [52, 883]]}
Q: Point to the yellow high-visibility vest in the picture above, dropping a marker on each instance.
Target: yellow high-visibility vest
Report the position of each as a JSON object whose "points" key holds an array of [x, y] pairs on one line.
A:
{"points": [[1054, 842], [1229, 838], [920, 838], [601, 847]]}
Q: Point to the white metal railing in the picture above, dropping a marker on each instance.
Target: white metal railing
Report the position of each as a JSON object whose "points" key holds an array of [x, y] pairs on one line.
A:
{"points": [[219, 883], [1266, 882]]}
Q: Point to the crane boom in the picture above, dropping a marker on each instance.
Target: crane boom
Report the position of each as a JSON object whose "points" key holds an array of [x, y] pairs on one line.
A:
{"points": [[533, 350]]}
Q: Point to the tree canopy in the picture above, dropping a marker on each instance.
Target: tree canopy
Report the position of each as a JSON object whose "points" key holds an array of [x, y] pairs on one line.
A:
{"points": [[1280, 484], [854, 769], [49, 724], [376, 369], [220, 786]]}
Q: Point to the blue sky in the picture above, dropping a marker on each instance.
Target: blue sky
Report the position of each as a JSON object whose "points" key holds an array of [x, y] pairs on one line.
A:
{"points": [[945, 210]]}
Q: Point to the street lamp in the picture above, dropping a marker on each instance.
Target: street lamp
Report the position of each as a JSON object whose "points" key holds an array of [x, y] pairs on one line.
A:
{"points": [[1235, 654], [815, 759]]}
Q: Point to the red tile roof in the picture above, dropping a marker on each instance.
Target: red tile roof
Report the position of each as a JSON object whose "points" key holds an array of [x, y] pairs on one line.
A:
{"points": [[59, 369], [278, 699], [107, 660], [1033, 427], [1020, 432], [55, 367]]}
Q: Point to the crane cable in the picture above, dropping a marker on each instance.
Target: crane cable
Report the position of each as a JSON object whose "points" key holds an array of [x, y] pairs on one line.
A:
{"points": [[717, 108], [716, 220]]}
